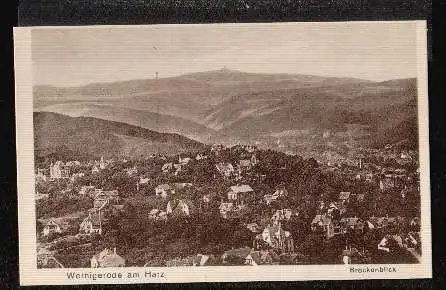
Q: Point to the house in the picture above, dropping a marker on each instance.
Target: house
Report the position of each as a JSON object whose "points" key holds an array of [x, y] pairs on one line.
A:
{"points": [[264, 257], [226, 207], [323, 224], [131, 171], [238, 193], [390, 243], [117, 209], [354, 256], [158, 215], [277, 238], [216, 148], [225, 169], [281, 192], [254, 160], [178, 168], [59, 171], [240, 256], [163, 190], [207, 198], [196, 260], [357, 198], [42, 174], [107, 258], [182, 185], [86, 190], [415, 222], [95, 192], [250, 148], [73, 163], [360, 197], [95, 169], [254, 228], [200, 157], [336, 209], [183, 161], [344, 197], [113, 196], [376, 222], [102, 164], [143, 180], [51, 227], [183, 207], [269, 198], [167, 167], [101, 200], [105, 198], [244, 164], [92, 224], [154, 212], [41, 195], [284, 214], [348, 224], [76, 176]]}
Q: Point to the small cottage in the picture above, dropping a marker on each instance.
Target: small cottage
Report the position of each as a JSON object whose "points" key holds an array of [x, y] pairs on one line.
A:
{"points": [[51, 227], [277, 238], [167, 167], [107, 258], [344, 197], [225, 169], [351, 224], [238, 193], [240, 256], [226, 207], [182, 207], [92, 224], [164, 190], [323, 224]]}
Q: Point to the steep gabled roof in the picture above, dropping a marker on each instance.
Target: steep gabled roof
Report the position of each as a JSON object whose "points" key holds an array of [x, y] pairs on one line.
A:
{"points": [[344, 195], [321, 219], [108, 258], [241, 188], [350, 222]]}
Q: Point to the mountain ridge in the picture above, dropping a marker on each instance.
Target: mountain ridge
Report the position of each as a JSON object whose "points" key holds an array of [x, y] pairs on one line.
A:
{"points": [[86, 136], [220, 105]]}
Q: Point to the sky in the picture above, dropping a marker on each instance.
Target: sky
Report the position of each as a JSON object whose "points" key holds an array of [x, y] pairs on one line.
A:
{"points": [[72, 56]]}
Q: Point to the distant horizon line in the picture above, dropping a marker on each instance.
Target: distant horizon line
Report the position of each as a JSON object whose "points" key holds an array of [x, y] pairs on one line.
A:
{"points": [[216, 70]]}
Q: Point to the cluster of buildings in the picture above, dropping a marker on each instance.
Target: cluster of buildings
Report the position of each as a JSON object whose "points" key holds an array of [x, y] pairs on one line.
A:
{"points": [[104, 202], [271, 242], [65, 170]]}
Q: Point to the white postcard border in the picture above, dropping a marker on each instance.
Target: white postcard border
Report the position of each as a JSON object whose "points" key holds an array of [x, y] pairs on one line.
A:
{"points": [[30, 275]]}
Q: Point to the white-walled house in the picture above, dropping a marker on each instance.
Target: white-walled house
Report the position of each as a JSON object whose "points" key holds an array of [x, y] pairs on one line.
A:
{"points": [[107, 258], [163, 190], [51, 227], [183, 207]]}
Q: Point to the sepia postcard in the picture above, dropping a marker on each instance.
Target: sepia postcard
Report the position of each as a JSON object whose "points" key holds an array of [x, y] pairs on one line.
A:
{"points": [[222, 152]]}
